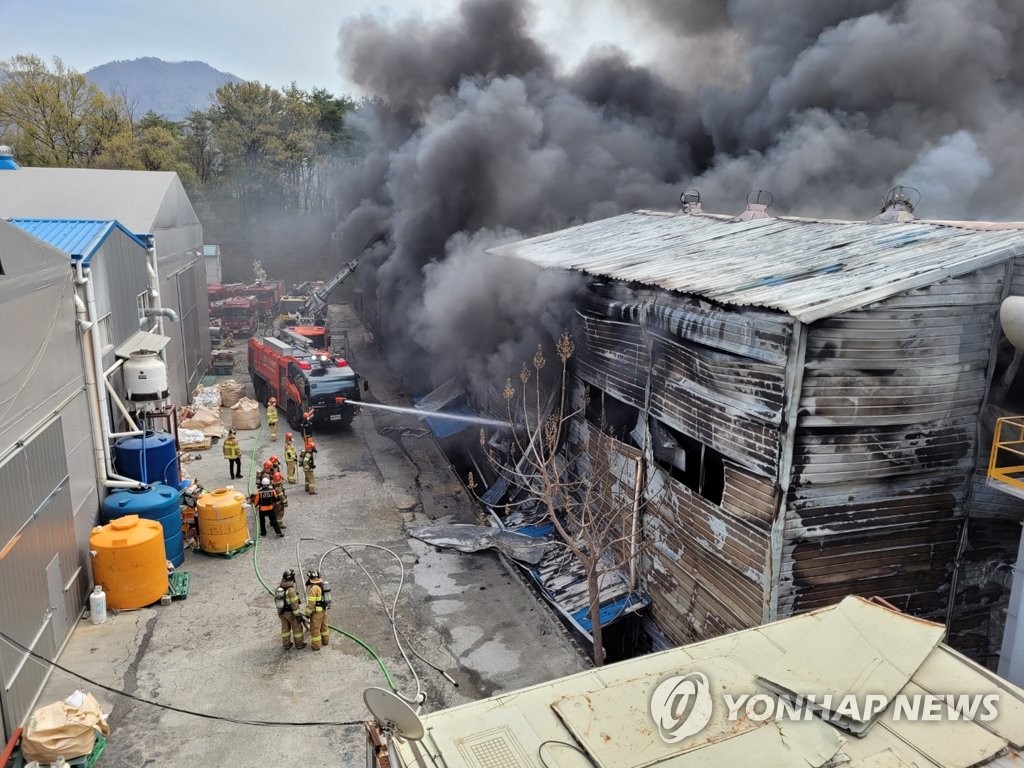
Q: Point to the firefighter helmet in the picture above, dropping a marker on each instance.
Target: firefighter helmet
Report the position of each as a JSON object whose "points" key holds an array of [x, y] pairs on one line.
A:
{"points": [[288, 436], [310, 445], [313, 575], [274, 460], [268, 464], [288, 575], [272, 401], [265, 481]]}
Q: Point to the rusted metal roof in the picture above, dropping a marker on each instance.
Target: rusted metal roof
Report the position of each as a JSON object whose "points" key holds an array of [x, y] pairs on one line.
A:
{"points": [[602, 717], [806, 268]]}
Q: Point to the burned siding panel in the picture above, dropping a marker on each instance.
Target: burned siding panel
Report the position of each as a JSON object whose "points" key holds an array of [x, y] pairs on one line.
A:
{"points": [[612, 355], [705, 566], [886, 446], [828, 455]]}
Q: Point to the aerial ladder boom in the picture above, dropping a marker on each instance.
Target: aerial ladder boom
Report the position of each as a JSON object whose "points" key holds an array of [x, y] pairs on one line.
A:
{"points": [[317, 301]]}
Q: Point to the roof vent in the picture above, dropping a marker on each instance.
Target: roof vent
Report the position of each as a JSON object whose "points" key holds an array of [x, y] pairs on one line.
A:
{"points": [[898, 205], [7, 162], [690, 201], [758, 207]]}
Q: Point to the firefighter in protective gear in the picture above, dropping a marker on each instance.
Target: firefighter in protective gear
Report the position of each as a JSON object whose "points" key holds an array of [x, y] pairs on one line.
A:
{"points": [[272, 417], [265, 501], [319, 632], [308, 462], [291, 456], [233, 453], [277, 483], [292, 628], [307, 424], [266, 471]]}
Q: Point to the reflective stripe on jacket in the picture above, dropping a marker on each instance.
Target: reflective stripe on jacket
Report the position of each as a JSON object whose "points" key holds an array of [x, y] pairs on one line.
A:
{"points": [[271, 414], [232, 450], [290, 453], [314, 596]]}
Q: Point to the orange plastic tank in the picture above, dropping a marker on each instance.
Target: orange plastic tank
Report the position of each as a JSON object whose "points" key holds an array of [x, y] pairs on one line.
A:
{"points": [[128, 561], [222, 522]]}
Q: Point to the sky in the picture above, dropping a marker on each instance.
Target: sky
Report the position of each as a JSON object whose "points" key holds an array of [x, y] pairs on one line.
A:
{"points": [[264, 41]]}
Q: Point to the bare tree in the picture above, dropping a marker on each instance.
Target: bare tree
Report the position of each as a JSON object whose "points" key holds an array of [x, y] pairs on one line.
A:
{"points": [[588, 483]]}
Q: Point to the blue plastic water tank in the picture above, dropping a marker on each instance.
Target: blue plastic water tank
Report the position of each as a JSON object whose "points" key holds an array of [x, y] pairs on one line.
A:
{"points": [[149, 458], [160, 503]]}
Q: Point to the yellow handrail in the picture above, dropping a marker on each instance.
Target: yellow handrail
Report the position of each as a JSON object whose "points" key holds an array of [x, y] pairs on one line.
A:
{"points": [[1005, 462]]}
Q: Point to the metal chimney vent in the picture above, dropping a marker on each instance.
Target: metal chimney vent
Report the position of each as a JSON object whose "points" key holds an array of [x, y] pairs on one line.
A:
{"points": [[898, 205], [690, 201], [757, 208]]}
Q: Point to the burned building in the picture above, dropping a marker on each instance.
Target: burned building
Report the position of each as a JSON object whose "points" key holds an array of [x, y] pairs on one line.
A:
{"points": [[807, 399]]}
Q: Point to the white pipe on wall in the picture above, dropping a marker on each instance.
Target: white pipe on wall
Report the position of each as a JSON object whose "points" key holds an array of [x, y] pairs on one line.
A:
{"points": [[92, 360]]}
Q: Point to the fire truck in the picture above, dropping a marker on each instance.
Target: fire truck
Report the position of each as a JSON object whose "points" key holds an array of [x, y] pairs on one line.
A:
{"points": [[238, 315], [302, 379], [268, 294]]}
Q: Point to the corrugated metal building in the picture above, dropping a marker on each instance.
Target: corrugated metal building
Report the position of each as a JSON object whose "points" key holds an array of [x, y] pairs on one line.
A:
{"points": [[47, 480], [807, 394], [146, 203], [618, 717], [118, 262]]}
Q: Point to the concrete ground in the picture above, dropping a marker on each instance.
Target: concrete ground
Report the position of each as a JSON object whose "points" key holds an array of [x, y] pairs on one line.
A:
{"points": [[218, 652]]}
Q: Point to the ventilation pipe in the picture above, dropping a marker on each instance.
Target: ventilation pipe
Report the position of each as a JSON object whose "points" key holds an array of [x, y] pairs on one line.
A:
{"points": [[162, 312], [898, 206], [757, 208], [92, 360], [690, 201]]}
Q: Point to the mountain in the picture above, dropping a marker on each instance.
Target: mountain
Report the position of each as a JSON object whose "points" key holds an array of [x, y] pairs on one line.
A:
{"points": [[169, 88]]}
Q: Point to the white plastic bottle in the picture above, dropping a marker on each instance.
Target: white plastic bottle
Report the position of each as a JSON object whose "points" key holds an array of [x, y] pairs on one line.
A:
{"points": [[98, 605]]}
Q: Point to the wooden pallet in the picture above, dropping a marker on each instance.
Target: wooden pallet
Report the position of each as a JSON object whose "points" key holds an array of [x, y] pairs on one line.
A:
{"points": [[203, 446]]}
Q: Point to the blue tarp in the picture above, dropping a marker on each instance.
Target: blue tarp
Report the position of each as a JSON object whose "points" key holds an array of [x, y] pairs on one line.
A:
{"points": [[448, 427]]}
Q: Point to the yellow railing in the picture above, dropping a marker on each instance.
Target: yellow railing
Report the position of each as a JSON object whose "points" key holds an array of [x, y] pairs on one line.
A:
{"points": [[1006, 463]]}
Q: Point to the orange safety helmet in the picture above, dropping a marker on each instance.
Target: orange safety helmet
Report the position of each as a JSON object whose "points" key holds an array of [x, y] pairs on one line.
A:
{"points": [[272, 401], [288, 436], [268, 465], [274, 460], [310, 445]]}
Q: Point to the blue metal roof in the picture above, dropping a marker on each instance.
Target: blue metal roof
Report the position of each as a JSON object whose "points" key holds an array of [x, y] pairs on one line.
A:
{"points": [[79, 238]]}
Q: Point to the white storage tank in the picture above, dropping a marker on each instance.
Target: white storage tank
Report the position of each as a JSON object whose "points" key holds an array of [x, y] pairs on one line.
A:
{"points": [[145, 377]]}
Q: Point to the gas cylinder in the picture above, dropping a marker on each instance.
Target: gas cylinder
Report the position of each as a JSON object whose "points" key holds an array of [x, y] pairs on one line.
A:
{"points": [[98, 605]]}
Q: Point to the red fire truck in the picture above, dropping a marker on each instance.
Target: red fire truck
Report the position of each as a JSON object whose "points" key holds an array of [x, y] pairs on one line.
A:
{"points": [[238, 315], [268, 294], [303, 379]]}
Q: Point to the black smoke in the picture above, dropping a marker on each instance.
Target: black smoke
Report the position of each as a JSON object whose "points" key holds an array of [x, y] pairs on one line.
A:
{"points": [[475, 133]]}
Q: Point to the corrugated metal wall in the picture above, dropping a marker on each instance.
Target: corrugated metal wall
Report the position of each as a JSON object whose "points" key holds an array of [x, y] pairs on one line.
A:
{"points": [[35, 524], [717, 377], [886, 446]]}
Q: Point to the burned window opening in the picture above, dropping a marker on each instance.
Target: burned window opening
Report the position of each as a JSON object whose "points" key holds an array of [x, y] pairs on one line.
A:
{"points": [[690, 462], [612, 416]]}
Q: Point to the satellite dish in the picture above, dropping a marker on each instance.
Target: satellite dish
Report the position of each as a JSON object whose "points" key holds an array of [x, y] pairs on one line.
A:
{"points": [[393, 714]]}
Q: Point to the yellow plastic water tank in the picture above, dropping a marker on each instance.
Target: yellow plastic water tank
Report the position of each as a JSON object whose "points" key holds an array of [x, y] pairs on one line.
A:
{"points": [[222, 522], [128, 561]]}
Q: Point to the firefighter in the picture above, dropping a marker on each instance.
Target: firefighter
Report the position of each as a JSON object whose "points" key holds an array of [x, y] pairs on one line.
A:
{"points": [[266, 471], [233, 453], [291, 456], [277, 483], [316, 610], [307, 424], [308, 462], [289, 608], [265, 500], [272, 417]]}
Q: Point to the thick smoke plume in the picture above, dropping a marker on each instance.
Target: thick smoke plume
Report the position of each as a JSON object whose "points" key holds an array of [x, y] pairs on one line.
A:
{"points": [[475, 133]]}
